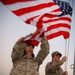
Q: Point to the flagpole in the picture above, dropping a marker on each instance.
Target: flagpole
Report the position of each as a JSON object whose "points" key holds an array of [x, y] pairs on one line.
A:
{"points": [[74, 62]]}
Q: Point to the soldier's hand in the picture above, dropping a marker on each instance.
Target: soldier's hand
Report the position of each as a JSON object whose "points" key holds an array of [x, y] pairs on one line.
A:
{"points": [[64, 58], [65, 73], [22, 39]]}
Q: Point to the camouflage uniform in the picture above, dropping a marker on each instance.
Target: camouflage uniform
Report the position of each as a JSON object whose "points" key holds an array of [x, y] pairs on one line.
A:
{"points": [[24, 66], [53, 68]]}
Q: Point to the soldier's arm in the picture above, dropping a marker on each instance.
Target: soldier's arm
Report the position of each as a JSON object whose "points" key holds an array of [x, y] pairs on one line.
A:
{"points": [[43, 51], [53, 66], [18, 49]]}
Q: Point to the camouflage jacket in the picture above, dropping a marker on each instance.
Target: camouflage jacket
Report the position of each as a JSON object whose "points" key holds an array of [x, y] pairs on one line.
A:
{"points": [[25, 66], [53, 68]]}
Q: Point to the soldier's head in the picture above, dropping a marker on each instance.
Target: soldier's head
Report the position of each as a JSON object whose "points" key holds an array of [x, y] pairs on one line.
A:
{"points": [[56, 56], [29, 49]]}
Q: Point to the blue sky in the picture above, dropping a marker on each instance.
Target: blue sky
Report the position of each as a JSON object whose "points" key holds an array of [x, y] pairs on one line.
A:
{"points": [[12, 28]]}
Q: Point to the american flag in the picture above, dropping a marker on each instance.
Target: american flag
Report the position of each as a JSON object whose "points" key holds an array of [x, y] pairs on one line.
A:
{"points": [[57, 25], [44, 14], [31, 11]]}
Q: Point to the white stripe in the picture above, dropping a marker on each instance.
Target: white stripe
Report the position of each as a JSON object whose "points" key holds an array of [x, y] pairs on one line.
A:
{"points": [[34, 23], [56, 13], [57, 30], [38, 39], [19, 5]]}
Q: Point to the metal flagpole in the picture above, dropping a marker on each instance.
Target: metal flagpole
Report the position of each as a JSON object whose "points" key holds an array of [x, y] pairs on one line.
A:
{"points": [[74, 63]]}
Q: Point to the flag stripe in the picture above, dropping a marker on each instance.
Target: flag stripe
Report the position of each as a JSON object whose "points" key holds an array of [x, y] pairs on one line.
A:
{"points": [[57, 30], [58, 26], [54, 32], [58, 34], [14, 1]]}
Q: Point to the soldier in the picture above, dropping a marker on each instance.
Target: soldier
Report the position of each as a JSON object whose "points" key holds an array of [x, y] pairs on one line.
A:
{"points": [[53, 68], [24, 62]]}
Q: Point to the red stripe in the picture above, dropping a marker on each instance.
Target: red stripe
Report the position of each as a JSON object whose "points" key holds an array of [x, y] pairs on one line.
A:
{"points": [[65, 35], [49, 15], [22, 11], [58, 26], [31, 19], [35, 42], [14, 1], [56, 10]]}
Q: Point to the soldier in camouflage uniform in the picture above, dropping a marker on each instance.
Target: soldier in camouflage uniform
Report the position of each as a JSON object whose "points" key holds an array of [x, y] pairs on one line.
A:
{"points": [[23, 59], [53, 68]]}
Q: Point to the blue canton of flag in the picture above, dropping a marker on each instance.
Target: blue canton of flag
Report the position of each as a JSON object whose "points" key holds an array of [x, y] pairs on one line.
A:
{"points": [[65, 7]]}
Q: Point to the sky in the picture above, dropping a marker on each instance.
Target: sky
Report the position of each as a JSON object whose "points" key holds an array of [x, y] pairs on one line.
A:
{"points": [[12, 28]]}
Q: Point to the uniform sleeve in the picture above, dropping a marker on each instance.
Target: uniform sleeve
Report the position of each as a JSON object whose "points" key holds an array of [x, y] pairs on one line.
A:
{"points": [[18, 49], [52, 67], [43, 51]]}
